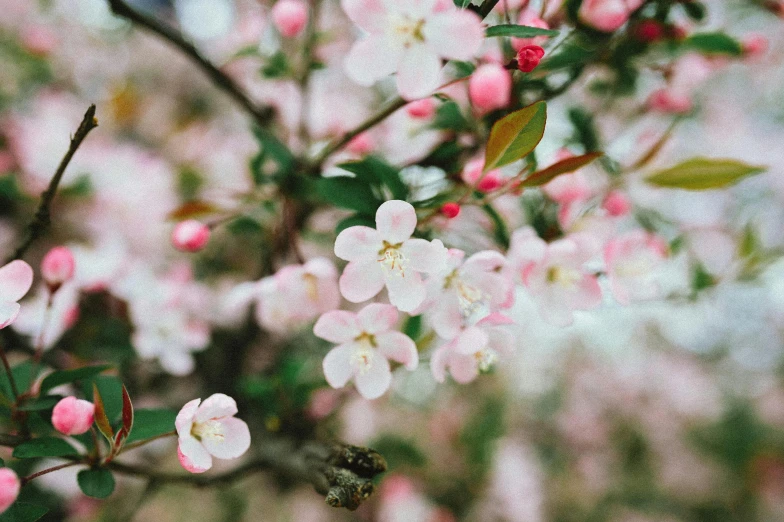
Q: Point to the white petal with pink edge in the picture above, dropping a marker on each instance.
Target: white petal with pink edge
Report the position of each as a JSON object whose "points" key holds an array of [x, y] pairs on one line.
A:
{"points": [[375, 380], [418, 72], [216, 406], [377, 317], [193, 456], [184, 420], [358, 243], [425, 256], [398, 347], [338, 326], [235, 439], [361, 281], [372, 59], [16, 278], [406, 293], [8, 313], [471, 340], [337, 365], [456, 35], [369, 15], [396, 221]]}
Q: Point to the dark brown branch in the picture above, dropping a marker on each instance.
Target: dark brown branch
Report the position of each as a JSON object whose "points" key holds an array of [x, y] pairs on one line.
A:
{"points": [[484, 9], [42, 218], [261, 115], [343, 473]]}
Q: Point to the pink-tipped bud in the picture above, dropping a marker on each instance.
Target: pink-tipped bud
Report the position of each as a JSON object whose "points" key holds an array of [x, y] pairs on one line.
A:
{"points": [[9, 488], [473, 175], [290, 17], [754, 45], [669, 102], [361, 144], [490, 87], [528, 57], [492, 181], [649, 31], [450, 210], [423, 109], [604, 15], [190, 235], [38, 40], [617, 204], [57, 266], [72, 416]]}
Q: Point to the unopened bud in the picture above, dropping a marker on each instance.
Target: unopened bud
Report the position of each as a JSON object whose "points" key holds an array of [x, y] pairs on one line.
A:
{"points": [[9, 488], [190, 235], [57, 267], [528, 57], [290, 17], [450, 210], [490, 87], [72, 416]]}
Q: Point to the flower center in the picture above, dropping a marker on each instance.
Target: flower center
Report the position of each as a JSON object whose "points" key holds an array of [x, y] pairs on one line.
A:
{"points": [[362, 359], [486, 358], [408, 30], [563, 276], [392, 260], [209, 430], [311, 286]]}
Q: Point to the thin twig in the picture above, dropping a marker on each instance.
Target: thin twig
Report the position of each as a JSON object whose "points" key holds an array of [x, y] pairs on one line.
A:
{"points": [[141, 443], [42, 218], [10, 374], [262, 115], [27, 479]]}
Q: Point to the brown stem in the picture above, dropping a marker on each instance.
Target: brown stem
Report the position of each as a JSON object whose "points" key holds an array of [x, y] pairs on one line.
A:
{"points": [[262, 115], [342, 472], [10, 374], [27, 479], [42, 218]]}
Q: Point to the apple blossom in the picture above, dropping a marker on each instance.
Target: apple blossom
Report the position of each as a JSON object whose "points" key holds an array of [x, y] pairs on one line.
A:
{"points": [[190, 235], [387, 256], [528, 57], [669, 102], [475, 349], [366, 342], [290, 17], [631, 261], [58, 266], [616, 204], [410, 38], [607, 15], [16, 278], [72, 416], [9, 488], [490, 87], [209, 429]]}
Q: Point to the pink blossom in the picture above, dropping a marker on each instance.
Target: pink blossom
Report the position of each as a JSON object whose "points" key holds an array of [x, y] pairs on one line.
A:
{"points": [[568, 188], [9, 488], [366, 342], [423, 109], [669, 102], [631, 261], [617, 203], [290, 17], [58, 266], [607, 15], [385, 256], [554, 275], [15, 280], [361, 144], [450, 210], [483, 181], [490, 87], [530, 18], [72, 416], [411, 38], [475, 349], [754, 45], [190, 235], [210, 430], [528, 57]]}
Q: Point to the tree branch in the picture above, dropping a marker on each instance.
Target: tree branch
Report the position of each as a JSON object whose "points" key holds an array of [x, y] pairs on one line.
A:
{"points": [[342, 472], [42, 218], [261, 115]]}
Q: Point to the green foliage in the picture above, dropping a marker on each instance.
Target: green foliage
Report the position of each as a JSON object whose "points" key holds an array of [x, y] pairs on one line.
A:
{"points": [[449, 117], [44, 447], [378, 174], [703, 174], [350, 193], [585, 132], [500, 230], [60, 377], [713, 44], [562, 167], [399, 452], [480, 433], [274, 162], [96, 482], [413, 327], [574, 53], [150, 423], [514, 136], [110, 389], [23, 374], [276, 66], [518, 31], [23, 512]]}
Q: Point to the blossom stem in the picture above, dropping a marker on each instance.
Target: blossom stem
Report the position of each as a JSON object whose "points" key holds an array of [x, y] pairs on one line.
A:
{"points": [[27, 479], [9, 373], [141, 443]]}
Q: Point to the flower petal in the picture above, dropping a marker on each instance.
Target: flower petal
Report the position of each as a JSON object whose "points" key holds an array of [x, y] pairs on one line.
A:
{"points": [[193, 456], [396, 221], [337, 365], [454, 34], [216, 406], [358, 243], [235, 442], [406, 293], [338, 326], [8, 313], [372, 59], [425, 256], [418, 72], [438, 363], [16, 278], [184, 420], [369, 15], [399, 347], [377, 317], [361, 281], [372, 383], [471, 341], [464, 368]]}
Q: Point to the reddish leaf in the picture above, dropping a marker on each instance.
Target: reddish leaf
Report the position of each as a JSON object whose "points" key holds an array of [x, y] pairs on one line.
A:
{"points": [[127, 413], [101, 420], [566, 166], [193, 209]]}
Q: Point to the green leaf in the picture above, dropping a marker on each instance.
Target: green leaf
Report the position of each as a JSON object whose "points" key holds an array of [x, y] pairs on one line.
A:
{"points": [[694, 10], [713, 43], [353, 221], [23, 512], [44, 447], [500, 230], [22, 373], [274, 160], [449, 117], [570, 55], [703, 174], [44, 403], [127, 413], [518, 31], [55, 379], [562, 167], [96, 483], [149, 423], [375, 171], [350, 193], [110, 388], [514, 136], [277, 66], [101, 419]]}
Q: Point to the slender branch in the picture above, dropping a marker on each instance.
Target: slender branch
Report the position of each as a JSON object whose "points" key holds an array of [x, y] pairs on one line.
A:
{"points": [[342, 472], [10, 374], [27, 479], [390, 107], [42, 218], [141, 443], [262, 115]]}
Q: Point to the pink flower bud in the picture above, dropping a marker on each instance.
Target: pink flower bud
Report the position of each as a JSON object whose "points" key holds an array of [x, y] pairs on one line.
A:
{"points": [[38, 40], [290, 17], [617, 204], [450, 210], [490, 87], [754, 45], [190, 235], [9, 488], [492, 181], [528, 57], [472, 175], [649, 31], [361, 144], [423, 109], [667, 101], [604, 15], [57, 266], [72, 416]]}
